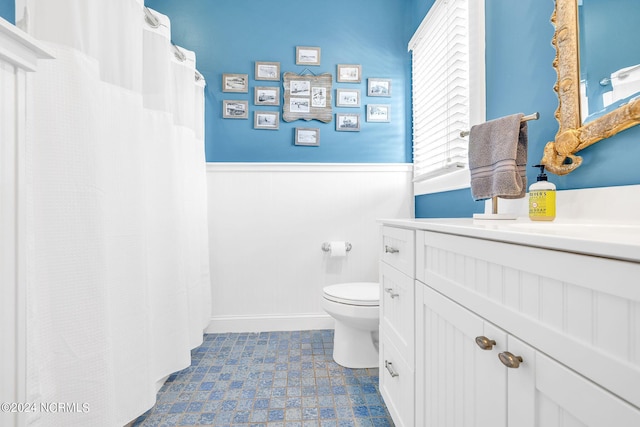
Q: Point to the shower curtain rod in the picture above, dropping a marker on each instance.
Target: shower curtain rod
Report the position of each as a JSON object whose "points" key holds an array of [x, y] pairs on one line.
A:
{"points": [[533, 116]]}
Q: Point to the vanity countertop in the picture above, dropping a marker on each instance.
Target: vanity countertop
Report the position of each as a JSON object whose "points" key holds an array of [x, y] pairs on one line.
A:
{"points": [[605, 239]]}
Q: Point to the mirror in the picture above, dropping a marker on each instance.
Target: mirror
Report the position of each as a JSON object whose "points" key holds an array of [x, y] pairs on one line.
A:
{"points": [[609, 55], [559, 155]]}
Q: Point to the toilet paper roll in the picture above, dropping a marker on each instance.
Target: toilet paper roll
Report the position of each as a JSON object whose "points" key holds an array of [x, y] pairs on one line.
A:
{"points": [[337, 249]]}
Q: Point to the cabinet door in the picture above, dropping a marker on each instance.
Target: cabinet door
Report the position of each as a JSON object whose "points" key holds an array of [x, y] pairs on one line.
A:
{"points": [[544, 393], [457, 383]]}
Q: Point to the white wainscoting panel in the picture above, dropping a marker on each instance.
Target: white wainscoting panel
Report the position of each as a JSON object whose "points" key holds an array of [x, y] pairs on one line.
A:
{"points": [[267, 222], [19, 54]]}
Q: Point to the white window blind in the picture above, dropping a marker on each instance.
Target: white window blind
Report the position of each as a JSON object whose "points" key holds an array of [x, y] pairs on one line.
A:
{"points": [[441, 74]]}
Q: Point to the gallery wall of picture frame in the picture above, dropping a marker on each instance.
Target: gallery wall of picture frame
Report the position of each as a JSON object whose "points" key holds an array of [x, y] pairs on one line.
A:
{"points": [[235, 83], [349, 98], [380, 113], [235, 109], [378, 87], [306, 96], [309, 137], [308, 55], [347, 122], [269, 120], [349, 73], [266, 95], [267, 71]]}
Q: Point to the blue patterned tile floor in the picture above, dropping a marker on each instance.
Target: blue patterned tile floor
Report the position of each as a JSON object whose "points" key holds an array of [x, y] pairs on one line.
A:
{"points": [[268, 379]]}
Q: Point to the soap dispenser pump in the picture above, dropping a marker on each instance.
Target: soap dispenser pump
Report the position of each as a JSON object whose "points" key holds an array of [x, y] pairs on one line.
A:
{"points": [[542, 198]]}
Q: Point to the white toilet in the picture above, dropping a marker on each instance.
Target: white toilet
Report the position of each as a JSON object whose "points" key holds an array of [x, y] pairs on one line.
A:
{"points": [[355, 308]]}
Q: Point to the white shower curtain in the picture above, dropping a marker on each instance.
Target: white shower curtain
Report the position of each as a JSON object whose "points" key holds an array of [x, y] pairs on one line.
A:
{"points": [[119, 287]]}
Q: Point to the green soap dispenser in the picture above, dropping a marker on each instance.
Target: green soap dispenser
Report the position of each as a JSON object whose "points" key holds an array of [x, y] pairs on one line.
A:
{"points": [[542, 198]]}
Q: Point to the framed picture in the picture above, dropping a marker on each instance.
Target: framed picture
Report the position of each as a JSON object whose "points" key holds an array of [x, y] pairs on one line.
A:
{"points": [[307, 97], [266, 95], [307, 55], [349, 73], [299, 105], [266, 120], [267, 71], [378, 87], [378, 113], [318, 97], [347, 97], [300, 87], [234, 109], [348, 122], [308, 136], [235, 83]]}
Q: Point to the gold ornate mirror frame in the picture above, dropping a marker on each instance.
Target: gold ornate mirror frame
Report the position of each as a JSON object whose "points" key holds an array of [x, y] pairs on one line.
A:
{"points": [[572, 136]]}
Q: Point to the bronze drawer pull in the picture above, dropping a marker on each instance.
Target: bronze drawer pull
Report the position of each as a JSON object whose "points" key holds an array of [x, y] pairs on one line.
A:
{"points": [[485, 343], [509, 360]]}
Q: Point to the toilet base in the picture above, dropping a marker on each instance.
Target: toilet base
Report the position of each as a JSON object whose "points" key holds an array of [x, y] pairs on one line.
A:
{"points": [[355, 348]]}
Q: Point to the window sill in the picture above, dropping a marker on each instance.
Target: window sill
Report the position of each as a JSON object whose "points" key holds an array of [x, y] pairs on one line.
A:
{"points": [[452, 181]]}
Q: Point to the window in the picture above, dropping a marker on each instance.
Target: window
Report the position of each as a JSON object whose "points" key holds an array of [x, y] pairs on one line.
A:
{"points": [[448, 92]]}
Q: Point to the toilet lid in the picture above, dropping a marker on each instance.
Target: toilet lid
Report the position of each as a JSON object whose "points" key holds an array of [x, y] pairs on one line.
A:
{"points": [[359, 293]]}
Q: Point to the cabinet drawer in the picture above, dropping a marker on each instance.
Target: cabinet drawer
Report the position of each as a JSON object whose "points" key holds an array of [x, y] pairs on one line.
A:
{"points": [[397, 297], [396, 384], [398, 248]]}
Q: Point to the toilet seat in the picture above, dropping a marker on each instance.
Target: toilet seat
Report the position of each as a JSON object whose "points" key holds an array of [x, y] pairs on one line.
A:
{"points": [[358, 293]]}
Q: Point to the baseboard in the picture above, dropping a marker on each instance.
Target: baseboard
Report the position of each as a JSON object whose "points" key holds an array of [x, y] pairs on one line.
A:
{"points": [[269, 323]]}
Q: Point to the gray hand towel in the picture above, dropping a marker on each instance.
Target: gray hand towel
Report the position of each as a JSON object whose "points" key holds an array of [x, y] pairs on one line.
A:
{"points": [[498, 158]]}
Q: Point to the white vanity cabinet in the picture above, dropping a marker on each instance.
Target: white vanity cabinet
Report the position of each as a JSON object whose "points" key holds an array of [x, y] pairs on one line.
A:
{"points": [[397, 340], [567, 322], [460, 383], [572, 320]]}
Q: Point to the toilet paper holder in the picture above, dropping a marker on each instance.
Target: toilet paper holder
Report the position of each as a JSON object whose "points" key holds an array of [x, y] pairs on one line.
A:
{"points": [[326, 246]]}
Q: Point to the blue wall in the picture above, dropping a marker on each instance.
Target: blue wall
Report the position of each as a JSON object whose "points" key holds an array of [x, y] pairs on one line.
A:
{"points": [[228, 36], [449, 204], [520, 78], [7, 10]]}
